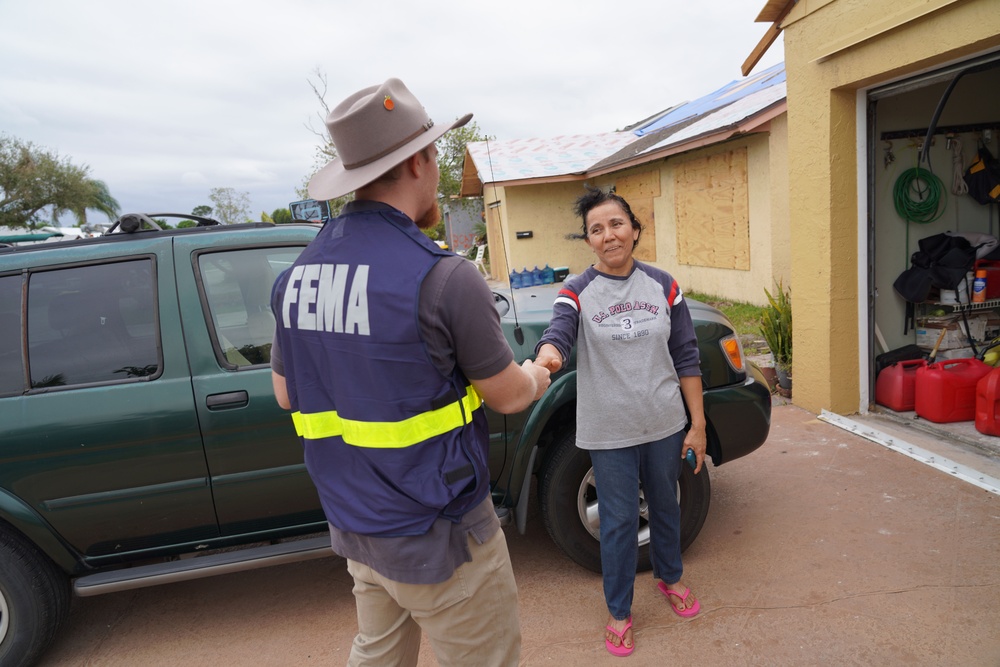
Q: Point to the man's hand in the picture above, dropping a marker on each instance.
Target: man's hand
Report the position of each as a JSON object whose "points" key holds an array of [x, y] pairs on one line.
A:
{"points": [[540, 375], [514, 388]]}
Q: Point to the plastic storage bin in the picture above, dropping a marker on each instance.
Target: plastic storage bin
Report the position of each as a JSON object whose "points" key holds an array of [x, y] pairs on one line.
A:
{"points": [[946, 391]]}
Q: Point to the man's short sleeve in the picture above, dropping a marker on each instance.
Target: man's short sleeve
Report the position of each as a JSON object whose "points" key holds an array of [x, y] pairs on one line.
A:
{"points": [[460, 322]]}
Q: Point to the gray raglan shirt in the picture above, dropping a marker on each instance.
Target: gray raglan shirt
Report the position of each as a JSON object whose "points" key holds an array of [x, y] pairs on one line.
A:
{"points": [[634, 339]]}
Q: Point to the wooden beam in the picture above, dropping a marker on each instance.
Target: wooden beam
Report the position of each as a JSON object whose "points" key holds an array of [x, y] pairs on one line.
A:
{"points": [[771, 35], [762, 46]]}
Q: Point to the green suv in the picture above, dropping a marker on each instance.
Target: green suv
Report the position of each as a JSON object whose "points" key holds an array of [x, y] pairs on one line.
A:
{"points": [[140, 442]]}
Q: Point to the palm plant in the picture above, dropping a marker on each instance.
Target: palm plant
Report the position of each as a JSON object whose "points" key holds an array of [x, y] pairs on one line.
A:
{"points": [[776, 326], [90, 194]]}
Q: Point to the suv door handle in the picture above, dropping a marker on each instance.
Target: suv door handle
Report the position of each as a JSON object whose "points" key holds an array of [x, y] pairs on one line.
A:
{"points": [[231, 399]]}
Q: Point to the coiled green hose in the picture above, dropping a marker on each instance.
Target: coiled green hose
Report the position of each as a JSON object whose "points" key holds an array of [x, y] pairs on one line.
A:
{"points": [[919, 196]]}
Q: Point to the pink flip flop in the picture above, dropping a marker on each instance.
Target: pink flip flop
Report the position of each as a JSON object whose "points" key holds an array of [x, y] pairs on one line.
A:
{"points": [[686, 613], [621, 650]]}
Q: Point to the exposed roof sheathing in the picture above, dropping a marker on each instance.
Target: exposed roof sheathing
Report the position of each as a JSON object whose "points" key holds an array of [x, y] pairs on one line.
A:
{"points": [[517, 159], [740, 106]]}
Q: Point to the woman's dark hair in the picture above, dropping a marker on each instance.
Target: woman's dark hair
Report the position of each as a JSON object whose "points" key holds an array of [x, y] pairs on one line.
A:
{"points": [[593, 198]]}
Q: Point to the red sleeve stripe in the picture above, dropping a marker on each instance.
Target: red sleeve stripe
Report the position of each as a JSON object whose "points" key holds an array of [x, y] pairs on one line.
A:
{"points": [[569, 298], [679, 296], [674, 295]]}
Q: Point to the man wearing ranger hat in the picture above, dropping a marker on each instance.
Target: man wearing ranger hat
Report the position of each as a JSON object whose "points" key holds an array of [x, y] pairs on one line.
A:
{"points": [[386, 347]]}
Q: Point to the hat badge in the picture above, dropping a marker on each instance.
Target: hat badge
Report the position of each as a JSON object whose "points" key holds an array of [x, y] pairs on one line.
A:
{"points": [[388, 103]]}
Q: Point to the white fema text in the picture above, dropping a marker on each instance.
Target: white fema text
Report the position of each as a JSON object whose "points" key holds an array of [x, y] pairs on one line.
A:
{"points": [[329, 298]]}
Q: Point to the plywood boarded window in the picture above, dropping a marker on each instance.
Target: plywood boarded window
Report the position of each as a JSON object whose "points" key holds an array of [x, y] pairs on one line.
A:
{"points": [[713, 214], [639, 190]]}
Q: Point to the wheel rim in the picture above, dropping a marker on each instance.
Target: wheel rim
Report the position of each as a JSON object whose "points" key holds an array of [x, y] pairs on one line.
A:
{"points": [[586, 507], [4, 617]]}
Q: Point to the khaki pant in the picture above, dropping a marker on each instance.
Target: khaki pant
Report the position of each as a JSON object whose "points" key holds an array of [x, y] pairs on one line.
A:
{"points": [[471, 619]]}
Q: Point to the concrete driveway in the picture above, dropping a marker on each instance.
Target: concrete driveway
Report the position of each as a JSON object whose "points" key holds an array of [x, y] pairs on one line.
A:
{"points": [[821, 548]]}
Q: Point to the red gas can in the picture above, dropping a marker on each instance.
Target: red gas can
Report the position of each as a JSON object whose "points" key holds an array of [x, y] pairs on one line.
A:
{"points": [[946, 391], [988, 403], [895, 385]]}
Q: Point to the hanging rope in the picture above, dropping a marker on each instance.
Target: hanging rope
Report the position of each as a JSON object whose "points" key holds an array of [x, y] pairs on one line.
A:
{"points": [[958, 184]]}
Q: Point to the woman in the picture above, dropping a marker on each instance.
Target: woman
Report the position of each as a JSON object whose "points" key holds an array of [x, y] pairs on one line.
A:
{"points": [[637, 358]]}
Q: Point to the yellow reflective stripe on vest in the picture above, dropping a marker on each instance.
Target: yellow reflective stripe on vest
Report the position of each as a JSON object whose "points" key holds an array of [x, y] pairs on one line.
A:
{"points": [[388, 434]]}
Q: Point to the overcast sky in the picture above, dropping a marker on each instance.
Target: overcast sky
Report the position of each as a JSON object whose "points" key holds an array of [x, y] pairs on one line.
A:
{"points": [[165, 101]]}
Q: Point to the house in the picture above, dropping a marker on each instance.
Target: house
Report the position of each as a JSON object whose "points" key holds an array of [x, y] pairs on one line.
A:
{"points": [[870, 86], [460, 219], [707, 179]]}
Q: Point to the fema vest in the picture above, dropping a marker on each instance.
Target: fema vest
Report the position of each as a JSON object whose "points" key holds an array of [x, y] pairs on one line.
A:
{"points": [[390, 442]]}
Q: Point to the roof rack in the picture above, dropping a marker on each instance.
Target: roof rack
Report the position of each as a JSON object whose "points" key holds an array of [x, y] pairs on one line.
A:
{"points": [[132, 222]]}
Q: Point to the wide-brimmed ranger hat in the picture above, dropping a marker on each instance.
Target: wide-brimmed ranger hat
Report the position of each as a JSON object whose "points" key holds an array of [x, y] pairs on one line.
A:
{"points": [[373, 130]]}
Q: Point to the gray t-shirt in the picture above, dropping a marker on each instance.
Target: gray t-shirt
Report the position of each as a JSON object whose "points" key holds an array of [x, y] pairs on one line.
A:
{"points": [[634, 339], [460, 325]]}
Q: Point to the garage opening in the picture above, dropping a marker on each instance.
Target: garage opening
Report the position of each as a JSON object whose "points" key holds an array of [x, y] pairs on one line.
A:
{"points": [[924, 134]]}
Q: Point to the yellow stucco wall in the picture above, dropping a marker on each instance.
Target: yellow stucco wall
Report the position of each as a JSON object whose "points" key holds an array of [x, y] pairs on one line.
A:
{"points": [[547, 211], [832, 50]]}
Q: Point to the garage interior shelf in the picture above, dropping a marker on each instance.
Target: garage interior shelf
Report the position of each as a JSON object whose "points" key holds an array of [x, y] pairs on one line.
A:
{"points": [[972, 307]]}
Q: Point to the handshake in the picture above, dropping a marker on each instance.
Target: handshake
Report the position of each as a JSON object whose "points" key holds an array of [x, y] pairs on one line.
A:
{"points": [[549, 357], [547, 362]]}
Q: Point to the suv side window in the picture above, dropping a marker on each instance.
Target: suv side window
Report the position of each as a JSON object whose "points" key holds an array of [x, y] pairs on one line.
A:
{"points": [[92, 323], [237, 288], [11, 368]]}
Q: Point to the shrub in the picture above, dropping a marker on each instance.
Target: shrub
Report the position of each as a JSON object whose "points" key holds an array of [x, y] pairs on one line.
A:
{"points": [[776, 326]]}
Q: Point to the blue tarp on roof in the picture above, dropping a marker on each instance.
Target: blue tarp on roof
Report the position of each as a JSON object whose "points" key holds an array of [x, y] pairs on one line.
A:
{"points": [[728, 94]]}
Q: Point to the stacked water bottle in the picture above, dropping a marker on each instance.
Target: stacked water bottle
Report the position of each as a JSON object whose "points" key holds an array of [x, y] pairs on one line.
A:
{"points": [[537, 276]]}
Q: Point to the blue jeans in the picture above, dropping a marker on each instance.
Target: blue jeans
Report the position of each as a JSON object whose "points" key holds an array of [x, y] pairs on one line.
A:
{"points": [[617, 474]]}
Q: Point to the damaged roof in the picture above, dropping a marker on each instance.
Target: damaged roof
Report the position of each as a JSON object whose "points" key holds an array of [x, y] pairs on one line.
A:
{"points": [[739, 107]]}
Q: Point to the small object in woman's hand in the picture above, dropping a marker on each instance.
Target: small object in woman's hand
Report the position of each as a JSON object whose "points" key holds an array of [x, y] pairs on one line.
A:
{"points": [[691, 458]]}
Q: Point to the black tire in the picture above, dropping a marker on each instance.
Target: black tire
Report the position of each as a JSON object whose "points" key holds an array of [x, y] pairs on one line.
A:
{"points": [[34, 601], [569, 505]]}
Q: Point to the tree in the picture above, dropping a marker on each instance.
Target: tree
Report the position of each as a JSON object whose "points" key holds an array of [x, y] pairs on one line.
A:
{"points": [[325, 150], [281, 215], [89, 195], [203, 211], [451, 157], [451, 160], [231, 206], [34, 180], [264, 217]]}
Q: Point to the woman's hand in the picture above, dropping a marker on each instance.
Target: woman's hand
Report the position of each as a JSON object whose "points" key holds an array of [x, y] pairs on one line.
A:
{"points": [[549, 357], [698, 441], [696, 437]]}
